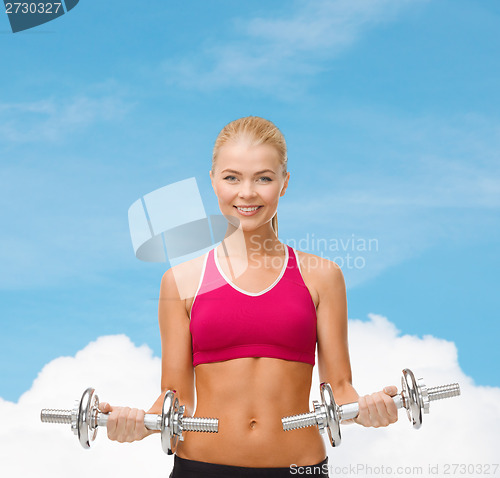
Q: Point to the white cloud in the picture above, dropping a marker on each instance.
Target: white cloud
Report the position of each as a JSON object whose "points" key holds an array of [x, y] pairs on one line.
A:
{"points": [[459, 430], [122, 374], [275, 52]]}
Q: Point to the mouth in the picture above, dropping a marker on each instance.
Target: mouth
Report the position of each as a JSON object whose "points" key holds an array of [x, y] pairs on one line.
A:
{"points": [[248, 210]]}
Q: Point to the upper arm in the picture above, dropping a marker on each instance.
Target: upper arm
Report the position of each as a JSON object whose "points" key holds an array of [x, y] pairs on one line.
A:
{"points": [[177, 371], [334, 364]]}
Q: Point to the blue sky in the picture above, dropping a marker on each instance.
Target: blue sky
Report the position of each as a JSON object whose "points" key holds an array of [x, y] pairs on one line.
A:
{"points": [[390, 112]]}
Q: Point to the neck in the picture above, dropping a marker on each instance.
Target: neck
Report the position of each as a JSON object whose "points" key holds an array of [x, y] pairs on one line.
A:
{"points": [[262, 242]]}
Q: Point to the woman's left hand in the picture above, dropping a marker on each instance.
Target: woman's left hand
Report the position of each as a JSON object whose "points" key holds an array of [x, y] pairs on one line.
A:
{"points": [[378, 409]]}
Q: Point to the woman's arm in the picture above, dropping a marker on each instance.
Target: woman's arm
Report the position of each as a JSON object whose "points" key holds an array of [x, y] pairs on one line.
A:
{"points": [[334, 367], [127, 424], [177, 371]]}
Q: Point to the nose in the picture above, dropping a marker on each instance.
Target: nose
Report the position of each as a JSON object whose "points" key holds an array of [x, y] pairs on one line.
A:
{"points": [[246, 189]]}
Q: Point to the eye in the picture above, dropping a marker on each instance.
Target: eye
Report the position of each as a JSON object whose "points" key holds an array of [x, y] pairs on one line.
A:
{"points": [[266, 178]]}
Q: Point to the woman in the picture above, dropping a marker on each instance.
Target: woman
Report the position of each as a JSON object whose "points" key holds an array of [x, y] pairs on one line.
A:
{"points": [[246, 316]]}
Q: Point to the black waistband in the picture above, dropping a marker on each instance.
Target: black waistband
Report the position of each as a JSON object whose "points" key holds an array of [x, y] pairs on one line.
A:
{"points": [[184, 468]]}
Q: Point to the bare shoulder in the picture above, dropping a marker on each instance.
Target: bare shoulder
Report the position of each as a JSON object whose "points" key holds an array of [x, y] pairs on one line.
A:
{"points": [[319, 273], [316, 265], [182, 279]]}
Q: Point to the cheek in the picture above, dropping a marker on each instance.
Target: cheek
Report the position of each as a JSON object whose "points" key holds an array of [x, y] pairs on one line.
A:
{"points": [[224, 194], [271, 195]]}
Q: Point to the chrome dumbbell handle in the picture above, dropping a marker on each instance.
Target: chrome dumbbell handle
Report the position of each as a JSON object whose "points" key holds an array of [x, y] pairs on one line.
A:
{"points": [[351, 410], [85, 418], [151, 422], [48, 415], [189, 424], [53, 415], [444, 391], [198, 424], [319, 415], [415, 398]]}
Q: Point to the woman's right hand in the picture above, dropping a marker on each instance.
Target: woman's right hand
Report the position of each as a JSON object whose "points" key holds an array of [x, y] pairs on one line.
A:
{"points": [[125, 424]]}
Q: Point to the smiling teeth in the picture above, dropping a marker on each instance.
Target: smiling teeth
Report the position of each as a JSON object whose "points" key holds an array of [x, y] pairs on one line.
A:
{"points": [[248, 209]]}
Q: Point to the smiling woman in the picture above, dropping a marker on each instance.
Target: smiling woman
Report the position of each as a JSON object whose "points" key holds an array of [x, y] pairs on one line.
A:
{"points": [[250, 145], [246, 316]]}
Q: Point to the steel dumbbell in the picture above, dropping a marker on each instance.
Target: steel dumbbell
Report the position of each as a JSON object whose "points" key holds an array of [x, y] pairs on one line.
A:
{"points": [[415, 397], [85, 418]]}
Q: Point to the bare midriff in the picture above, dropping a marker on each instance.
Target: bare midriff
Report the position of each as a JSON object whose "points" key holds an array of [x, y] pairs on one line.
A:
{"points": [[249, 396]]}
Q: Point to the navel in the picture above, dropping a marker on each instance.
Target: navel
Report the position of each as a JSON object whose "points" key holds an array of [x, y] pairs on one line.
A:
{"points": [[253, 424]]}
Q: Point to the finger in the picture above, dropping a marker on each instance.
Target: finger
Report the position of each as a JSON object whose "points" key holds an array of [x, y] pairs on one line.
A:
{"points": [[111, 424], [105, 407], [141, 430], [122, 423], [379, 398], [131, 425], [392, 409], [363, 417], [391, 390], [372, 411]]}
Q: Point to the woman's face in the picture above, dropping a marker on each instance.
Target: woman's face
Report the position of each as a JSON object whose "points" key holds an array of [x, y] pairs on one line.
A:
{"points": [[248, 176]]}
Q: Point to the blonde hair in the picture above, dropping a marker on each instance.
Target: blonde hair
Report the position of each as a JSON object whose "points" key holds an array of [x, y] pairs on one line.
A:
{"points": [[255, 131]]}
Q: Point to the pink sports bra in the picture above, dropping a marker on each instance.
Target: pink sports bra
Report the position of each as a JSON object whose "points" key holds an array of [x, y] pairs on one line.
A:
{"points": [[227, 322]]}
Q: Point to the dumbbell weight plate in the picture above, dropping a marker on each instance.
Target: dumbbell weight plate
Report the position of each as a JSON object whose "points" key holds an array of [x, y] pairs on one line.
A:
{"points": [[332, 417], [86, 420], [84, 423], [169, 439], [412, 399]]}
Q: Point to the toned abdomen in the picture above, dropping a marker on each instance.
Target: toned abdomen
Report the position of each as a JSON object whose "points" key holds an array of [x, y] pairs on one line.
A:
{"points": [[249, 396]]}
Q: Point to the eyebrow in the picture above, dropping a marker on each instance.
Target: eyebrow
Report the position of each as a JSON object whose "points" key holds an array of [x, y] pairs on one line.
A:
{"points": [[258, 172]]}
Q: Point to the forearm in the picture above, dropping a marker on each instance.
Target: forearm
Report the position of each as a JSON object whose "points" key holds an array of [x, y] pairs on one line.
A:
{"points": [[156, 408], [157, 405], [345, 393]]}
